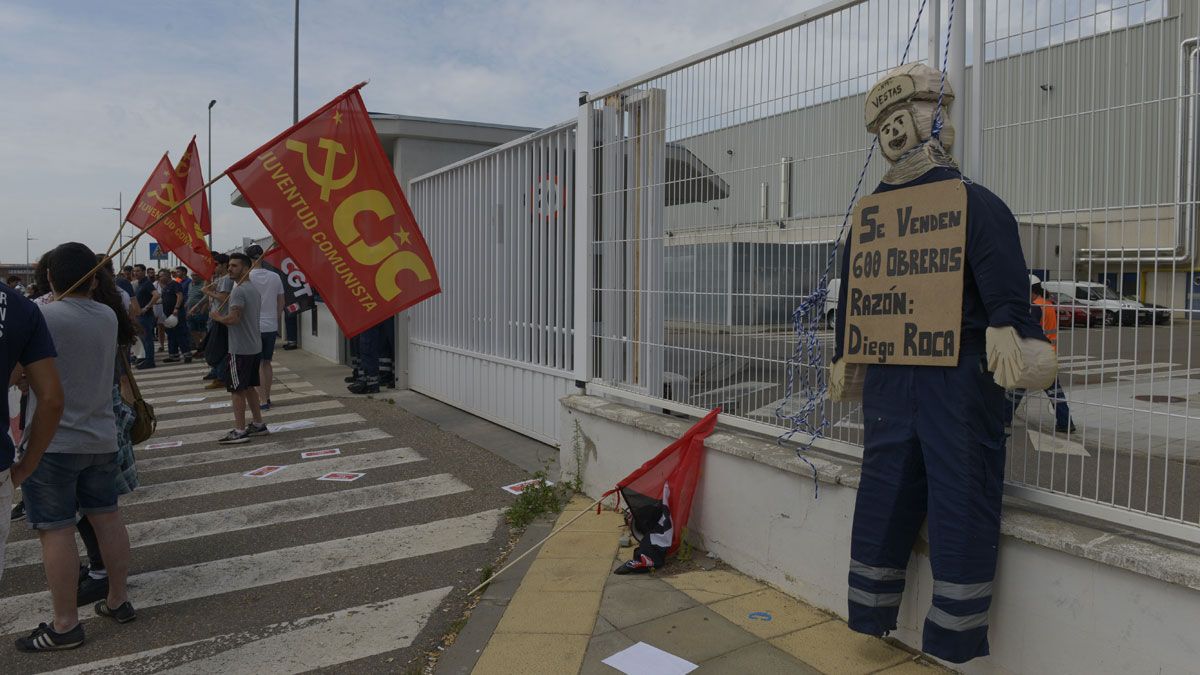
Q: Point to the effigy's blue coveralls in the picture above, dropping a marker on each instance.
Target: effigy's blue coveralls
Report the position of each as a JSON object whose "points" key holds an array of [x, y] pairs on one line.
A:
{"points": [[934, 449]]}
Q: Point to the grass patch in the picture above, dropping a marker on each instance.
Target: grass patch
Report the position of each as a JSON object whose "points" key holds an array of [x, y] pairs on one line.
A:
{"points": [[537, 499]]}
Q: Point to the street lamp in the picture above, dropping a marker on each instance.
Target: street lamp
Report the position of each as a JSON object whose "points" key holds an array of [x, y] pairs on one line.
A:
{"points": [[210, 200], [119, 208], [27, 240]]}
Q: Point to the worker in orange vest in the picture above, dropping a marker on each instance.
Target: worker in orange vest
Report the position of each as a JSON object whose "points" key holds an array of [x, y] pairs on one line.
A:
{"points": [[1049, 320]]}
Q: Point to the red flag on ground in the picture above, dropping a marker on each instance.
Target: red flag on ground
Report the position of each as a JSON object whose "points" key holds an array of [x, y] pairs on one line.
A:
{"points": [[177, 232], [659, 497], [189, 173], [326, 191]]}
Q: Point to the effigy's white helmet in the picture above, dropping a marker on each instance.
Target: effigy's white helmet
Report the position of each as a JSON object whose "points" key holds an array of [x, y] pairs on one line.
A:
{"points": [[900, 109]]}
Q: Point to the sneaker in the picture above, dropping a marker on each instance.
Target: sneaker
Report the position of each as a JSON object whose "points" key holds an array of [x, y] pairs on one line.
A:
{"points": [[289, 346], [257, 429], [369, 385], [90, 590], [215, 384], [18, 511], [235, 436], [161, 349], [44, 639], [122, 614], [145, 365], [639, 565], [171, 359], [187, 359], [350, 379], [209, 376], [265, 406]]}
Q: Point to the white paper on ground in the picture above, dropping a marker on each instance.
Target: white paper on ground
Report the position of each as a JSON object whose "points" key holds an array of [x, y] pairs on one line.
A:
{"points": [[222, 404], [518, 488], [163, 445], [190, 399], [644, 659], [290, 426]]}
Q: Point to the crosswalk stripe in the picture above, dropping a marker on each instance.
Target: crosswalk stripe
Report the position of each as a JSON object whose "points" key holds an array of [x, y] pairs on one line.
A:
{"points": [[198, 386], [208, 485], [223, 397], [233, 452], [191, 526], [1098, 363], [256, 570], [289, 647], [1121, 370], [212, 437], [157, 376], [226, 415], [160, 371]]}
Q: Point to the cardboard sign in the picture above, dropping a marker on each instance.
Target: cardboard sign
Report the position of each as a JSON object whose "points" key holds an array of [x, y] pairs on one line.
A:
{"points": [[518, 488], [320, 453], [342, 476], [904, 295], [264, 471]]}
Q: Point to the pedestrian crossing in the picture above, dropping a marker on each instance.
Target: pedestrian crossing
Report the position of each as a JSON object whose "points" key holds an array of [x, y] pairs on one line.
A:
{"points": [[283, 573]]}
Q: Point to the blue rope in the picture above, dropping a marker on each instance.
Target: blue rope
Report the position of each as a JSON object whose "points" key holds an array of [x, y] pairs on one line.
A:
{"points": [[808, 315]]}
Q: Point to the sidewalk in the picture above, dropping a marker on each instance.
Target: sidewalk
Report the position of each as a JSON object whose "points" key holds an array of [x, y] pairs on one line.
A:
{"points": [[570, 613]]}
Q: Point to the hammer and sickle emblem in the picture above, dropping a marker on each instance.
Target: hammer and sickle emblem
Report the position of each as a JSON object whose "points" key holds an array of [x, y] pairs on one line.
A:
{"points": [[385, 254], [326, 180], [170, 200]]}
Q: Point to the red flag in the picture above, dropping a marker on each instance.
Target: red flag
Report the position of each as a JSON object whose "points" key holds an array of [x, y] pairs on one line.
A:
{"points": [[326, 191], [189, 173], [177, 232], [659, 495]]}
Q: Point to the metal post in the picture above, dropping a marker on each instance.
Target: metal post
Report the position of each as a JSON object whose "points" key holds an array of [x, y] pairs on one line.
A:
{"points": [[978, 79], [210, 199], [584, 179], [957, 70], [296, 68], [935, 33]]}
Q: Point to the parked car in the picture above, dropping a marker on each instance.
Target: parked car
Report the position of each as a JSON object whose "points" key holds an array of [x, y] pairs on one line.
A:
{"points": [[1117, 310], [831, 302], [1158, 314], [1071, 313]]}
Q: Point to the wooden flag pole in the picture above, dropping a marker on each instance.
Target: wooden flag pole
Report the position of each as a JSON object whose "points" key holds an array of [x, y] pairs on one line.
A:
{"points": [[115, 236], [131, 242], [534, 547]]}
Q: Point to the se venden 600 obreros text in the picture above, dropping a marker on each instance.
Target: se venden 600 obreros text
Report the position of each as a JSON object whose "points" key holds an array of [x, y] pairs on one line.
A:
{"points": [[904, 291]]}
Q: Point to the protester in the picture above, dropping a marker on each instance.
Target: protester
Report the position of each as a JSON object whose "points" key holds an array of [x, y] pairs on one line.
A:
{"points": [[27, 359], [373, 343], [147, 298], [93, 578], [174, 318], [78, 470], [217, 344], [14, 282], [159, 316], [270, 290], [1045, 313], [197, 316], [245, 346]]}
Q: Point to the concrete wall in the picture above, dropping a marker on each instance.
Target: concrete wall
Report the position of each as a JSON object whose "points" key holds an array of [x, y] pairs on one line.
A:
{"points": [[328, 341], [1054, 612]]}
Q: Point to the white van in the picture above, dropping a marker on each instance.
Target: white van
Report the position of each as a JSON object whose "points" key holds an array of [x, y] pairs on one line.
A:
{"points": [[831, 302], [1116, 309]]}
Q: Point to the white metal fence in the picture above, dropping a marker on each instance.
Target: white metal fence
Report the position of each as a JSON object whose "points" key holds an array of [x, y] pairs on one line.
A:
{"points": [[720, 182], [498, 340], [708, 195]]}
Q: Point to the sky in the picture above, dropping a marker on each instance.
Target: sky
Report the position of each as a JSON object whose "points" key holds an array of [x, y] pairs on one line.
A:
{"points": [[95, 92]]}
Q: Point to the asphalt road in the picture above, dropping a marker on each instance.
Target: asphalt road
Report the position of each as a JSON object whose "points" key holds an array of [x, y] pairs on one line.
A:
{"points": [[285, 573]]}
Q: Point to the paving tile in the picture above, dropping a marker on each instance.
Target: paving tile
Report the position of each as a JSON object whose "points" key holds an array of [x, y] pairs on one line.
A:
{"points": [[759, 658], [532, 654], [601, 647], [570, 544], [603, 626], [566, 574], [697, 634], [714, 585], [833, 648], [591, 522], [912, 667], [783, 613], [534, 611], [627, 602]]}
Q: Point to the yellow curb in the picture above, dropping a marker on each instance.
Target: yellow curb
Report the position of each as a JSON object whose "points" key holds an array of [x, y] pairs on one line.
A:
{"points": [[833, 648], [567, 574], [532, 654], [570, 544], [538, 611], [915, 668], [591, 522], [768, 613]]}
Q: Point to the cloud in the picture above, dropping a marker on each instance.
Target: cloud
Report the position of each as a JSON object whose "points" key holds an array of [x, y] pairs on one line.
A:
{"points": [[96, 92]]}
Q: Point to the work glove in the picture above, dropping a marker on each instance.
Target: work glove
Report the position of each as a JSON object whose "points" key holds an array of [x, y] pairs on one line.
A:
{"points": [[1019, 363], [846, 381]]}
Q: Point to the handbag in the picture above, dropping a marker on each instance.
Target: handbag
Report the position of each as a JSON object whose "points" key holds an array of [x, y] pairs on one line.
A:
{"points": [[144, 422]]}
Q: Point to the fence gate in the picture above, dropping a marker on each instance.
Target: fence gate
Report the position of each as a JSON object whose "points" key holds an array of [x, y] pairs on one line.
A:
{"points": [[498, 341]]}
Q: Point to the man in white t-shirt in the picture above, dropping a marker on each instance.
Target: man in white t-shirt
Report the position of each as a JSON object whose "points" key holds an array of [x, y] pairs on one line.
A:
{"points": [[270, 316]]}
